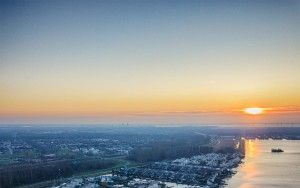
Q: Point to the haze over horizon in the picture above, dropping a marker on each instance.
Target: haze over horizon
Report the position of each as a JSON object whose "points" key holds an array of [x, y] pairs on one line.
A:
{"points": [[149, 61]]}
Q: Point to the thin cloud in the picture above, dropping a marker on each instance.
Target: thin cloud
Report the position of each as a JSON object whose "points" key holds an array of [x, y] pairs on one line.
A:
{"points": [[277, 110], [289, 109]]}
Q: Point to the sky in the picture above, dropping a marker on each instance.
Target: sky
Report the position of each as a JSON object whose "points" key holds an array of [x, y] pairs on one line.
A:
{"points": [[161, 62]]}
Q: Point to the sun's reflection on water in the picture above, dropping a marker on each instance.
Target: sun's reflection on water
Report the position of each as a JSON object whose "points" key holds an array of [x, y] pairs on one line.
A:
{"points": [[249, 169], [252, 149]]}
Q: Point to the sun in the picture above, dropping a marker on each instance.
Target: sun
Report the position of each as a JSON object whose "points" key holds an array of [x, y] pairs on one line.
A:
{"points": [[254, 110]]}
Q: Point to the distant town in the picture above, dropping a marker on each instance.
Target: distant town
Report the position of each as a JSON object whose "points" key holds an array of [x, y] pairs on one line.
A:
{"points": [[125, 156]]}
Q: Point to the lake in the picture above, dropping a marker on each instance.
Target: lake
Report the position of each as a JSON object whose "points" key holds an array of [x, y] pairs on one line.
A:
{"points": [[261, 168]]}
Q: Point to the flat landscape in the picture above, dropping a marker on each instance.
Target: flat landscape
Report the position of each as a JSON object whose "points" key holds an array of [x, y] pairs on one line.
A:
{"points": [[149, 93], [38, 156]]}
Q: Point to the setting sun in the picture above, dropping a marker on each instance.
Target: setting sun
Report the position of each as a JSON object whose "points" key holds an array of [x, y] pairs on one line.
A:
{"points": [[254, 111]]}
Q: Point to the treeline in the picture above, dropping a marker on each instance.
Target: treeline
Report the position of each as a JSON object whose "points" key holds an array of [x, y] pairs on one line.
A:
{"points": [[28, 174], [172, 149]]}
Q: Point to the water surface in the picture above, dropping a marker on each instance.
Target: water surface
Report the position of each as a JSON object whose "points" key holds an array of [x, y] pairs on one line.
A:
{"points": [[261, 168]]}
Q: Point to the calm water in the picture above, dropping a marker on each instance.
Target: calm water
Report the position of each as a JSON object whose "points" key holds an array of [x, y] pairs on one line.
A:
{"points": [[264, 169]]}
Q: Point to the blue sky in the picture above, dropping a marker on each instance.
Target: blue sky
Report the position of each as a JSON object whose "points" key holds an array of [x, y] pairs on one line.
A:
{"points": [[64, 59]]}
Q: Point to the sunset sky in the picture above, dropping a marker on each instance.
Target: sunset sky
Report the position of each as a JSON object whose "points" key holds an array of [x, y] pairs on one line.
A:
{"points": [[149, 61]]}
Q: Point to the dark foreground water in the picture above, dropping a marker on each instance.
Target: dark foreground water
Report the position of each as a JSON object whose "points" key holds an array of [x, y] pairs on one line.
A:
{"points": [[263, 169]]}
